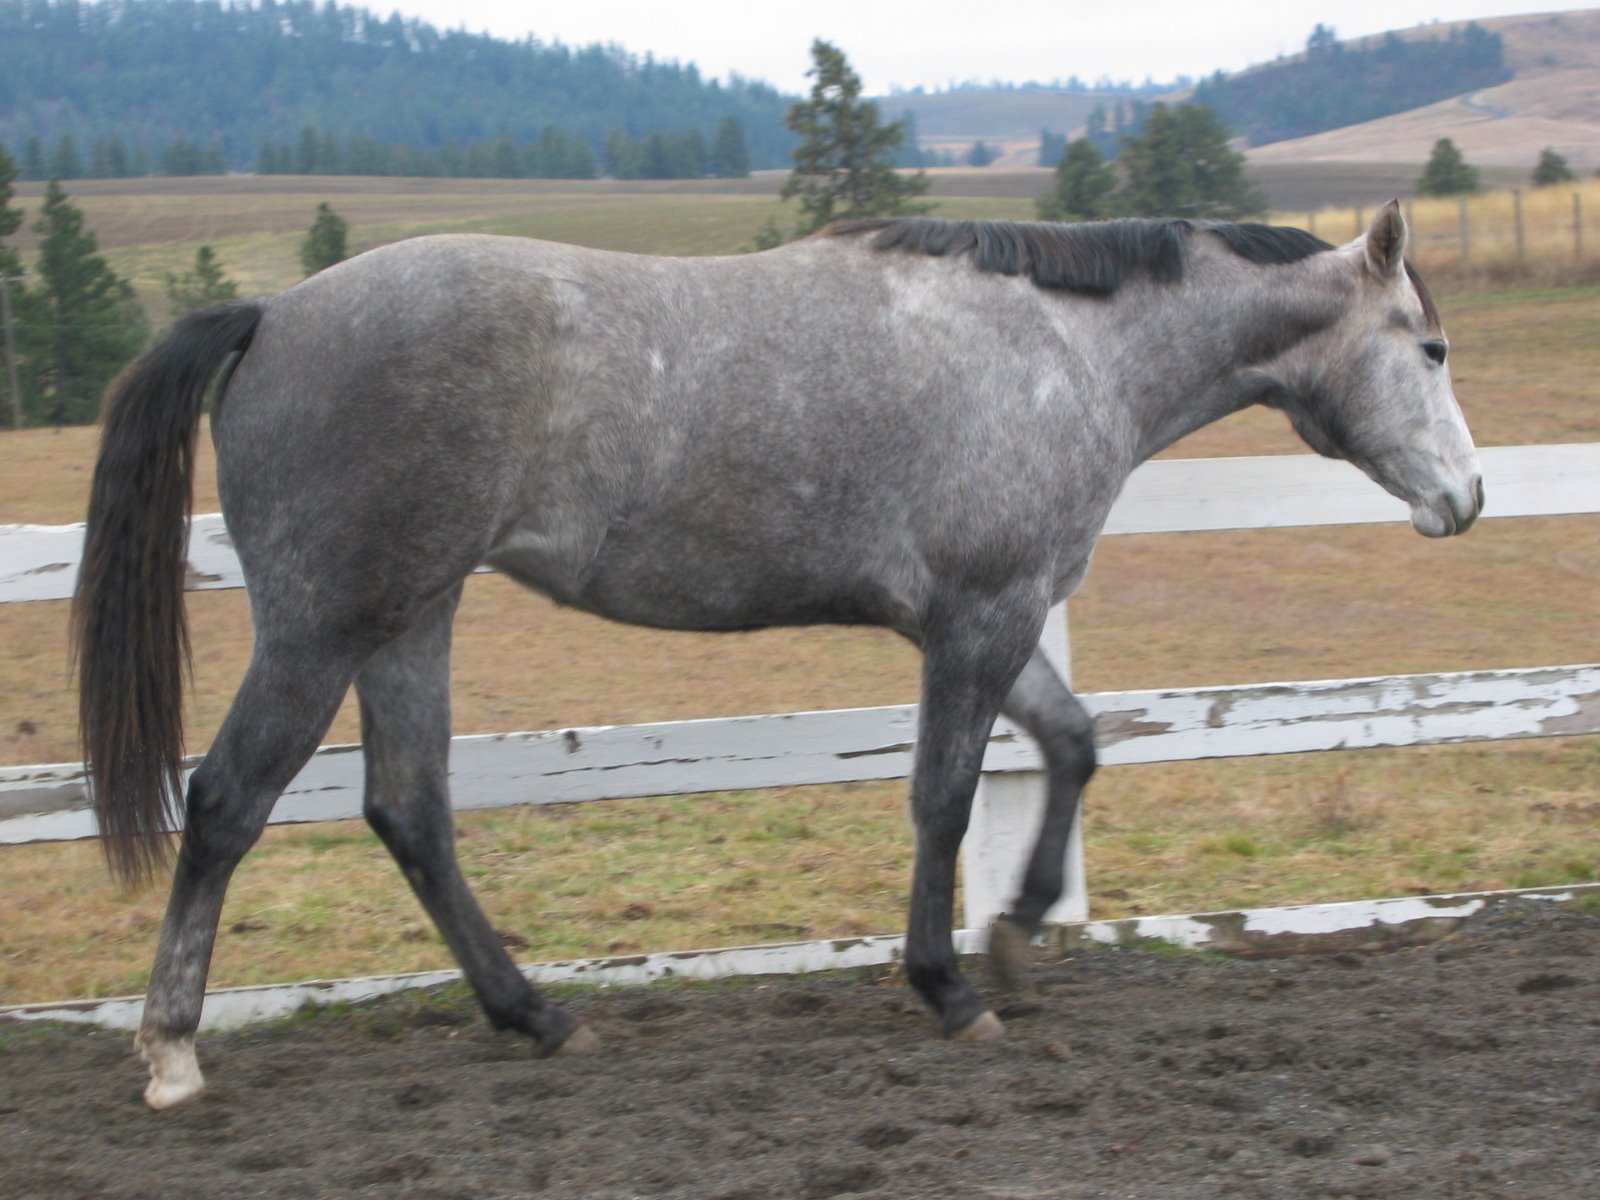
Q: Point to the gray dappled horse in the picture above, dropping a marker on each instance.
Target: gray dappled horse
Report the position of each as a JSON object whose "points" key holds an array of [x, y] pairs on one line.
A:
{"points": [[919, 424]]}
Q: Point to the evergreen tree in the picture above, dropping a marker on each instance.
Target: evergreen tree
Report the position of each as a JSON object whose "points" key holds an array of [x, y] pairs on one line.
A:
{"points": [[10, 218], [1052, 147], [1181, 166], [843, 165], [10, 269], [1220, 187], [204, 285], [91, 323], [980, 155], [1447, 172], [1551, 169], [65, 163], [325, 243], [1083, 186], [730, 153]]}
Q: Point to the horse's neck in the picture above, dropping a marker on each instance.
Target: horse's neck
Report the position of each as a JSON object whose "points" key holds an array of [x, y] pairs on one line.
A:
{"points": [[1202, 343]]}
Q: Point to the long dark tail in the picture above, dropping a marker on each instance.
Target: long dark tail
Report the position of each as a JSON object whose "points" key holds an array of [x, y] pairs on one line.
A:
{"points": [[129, 632]]}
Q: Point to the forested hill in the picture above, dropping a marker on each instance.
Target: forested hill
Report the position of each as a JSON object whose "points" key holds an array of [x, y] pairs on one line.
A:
{"points": [[238, 79], [1335, 84]]}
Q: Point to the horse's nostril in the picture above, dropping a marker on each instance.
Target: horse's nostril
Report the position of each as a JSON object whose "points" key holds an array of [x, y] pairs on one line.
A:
{"points": [[1477, 490]]}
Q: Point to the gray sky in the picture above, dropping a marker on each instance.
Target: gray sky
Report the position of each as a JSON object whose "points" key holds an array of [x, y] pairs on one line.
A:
{"points": [[936, 42]]}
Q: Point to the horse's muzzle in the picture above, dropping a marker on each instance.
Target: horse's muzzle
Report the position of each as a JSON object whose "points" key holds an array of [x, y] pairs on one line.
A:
{"points": [[1448, 513]]}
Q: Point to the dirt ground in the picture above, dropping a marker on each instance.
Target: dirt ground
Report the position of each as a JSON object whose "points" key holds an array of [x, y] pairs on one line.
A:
{"points": [[1464, 1069]]}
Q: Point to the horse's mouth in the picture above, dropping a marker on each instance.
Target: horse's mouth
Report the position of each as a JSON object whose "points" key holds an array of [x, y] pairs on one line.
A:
{"points": [[1448, 513]]}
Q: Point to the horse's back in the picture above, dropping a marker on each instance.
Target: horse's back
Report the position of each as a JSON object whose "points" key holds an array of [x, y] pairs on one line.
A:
{"points": [[706, 443]]}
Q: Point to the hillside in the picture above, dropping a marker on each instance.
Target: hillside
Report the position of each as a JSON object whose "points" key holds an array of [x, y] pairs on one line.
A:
{"points": [[1553, 99], [125, 80]]}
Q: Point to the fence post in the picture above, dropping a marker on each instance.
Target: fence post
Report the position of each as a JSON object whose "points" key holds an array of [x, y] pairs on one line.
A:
{"points": [[1005, 818], [1577, 228], [1466, 245], [1516, 215]]}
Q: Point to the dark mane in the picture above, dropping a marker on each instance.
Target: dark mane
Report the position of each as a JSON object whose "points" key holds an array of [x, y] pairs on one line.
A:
{"points": [[1093, 258]]}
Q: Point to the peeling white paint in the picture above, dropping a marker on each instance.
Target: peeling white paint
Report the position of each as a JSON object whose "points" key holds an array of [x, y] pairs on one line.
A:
{"points": [[234, 1008]]}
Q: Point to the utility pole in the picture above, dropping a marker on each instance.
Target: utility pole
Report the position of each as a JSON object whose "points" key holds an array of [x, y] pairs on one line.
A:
{"points": [[11, 350]]}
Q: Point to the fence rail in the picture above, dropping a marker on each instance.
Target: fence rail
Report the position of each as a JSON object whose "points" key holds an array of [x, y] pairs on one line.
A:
{"points": [[49, 802]]}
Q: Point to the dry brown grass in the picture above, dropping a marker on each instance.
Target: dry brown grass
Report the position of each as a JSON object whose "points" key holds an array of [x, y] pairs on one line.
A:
{"points": [[1177, 609], [1560, 241]]}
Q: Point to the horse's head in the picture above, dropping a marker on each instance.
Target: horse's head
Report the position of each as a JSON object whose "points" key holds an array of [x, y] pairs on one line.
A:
{"points": [[1374, 386]]}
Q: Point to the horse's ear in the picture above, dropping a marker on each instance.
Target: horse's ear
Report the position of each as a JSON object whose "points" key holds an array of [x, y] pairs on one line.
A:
{"points": [[1386, 241]]}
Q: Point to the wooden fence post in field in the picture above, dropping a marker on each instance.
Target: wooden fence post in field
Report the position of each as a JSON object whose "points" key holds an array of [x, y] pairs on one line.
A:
{"points": [[1516, 216], [1466, 243], [1577, 228]]}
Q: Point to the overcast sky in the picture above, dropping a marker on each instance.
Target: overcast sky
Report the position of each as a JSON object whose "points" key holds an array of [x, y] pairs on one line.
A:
{"points": [[934, 43]]}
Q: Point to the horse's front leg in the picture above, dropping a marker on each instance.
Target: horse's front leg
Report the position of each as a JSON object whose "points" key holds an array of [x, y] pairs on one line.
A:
{"points": [[972, 653], [1041, 703]]}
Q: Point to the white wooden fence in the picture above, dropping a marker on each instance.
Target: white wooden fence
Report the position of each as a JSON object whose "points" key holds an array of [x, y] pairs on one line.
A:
{"points": [[48, 802]]}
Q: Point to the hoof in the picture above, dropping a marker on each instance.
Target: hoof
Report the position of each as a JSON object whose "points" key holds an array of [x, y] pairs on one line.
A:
{"points": [[174, 1071], [581, 1040], [986, 1027], [1010, 955]]}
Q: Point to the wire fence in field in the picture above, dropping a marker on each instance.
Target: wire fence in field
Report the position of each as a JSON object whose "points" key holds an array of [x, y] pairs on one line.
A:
{"points": [[1538, 233]]}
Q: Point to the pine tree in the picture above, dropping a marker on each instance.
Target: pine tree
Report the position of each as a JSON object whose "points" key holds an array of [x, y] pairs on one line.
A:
{"points": [[1181, 166], [1083, 186], [1551, 169], [843, 165], [1447, 172], [10, 218], [10, 270], [730, 153], [202, 286], [325, 243], [91, 323]]}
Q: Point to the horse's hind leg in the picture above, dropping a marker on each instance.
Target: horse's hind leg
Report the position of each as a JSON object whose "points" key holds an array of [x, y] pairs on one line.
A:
{"points": [[405, 732], [1043, 705], [289, 695]]}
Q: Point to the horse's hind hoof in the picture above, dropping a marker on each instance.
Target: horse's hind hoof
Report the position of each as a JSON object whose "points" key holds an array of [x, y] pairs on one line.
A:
{"points": [[174, 1071], [581, 1040], [985, 1027]]}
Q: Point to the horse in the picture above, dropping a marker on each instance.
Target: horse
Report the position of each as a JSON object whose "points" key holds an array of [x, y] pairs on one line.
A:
{"points": [[905, 422]]}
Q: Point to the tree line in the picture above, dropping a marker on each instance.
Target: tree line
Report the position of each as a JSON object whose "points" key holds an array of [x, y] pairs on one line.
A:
{"points": [[115, 87], [1334, 84]]}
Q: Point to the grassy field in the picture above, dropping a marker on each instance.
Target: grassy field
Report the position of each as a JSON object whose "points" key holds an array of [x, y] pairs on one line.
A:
{"points": [[621, 877]]}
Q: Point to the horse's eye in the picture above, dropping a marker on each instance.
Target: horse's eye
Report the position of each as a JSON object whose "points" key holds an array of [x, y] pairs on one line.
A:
{"points": [[1436, 349]]}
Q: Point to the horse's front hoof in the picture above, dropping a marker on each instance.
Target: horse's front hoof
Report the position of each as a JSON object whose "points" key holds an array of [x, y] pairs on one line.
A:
{"points": [[174, 1071], [1010, 955], [581, 1040], [985, 1027]]}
